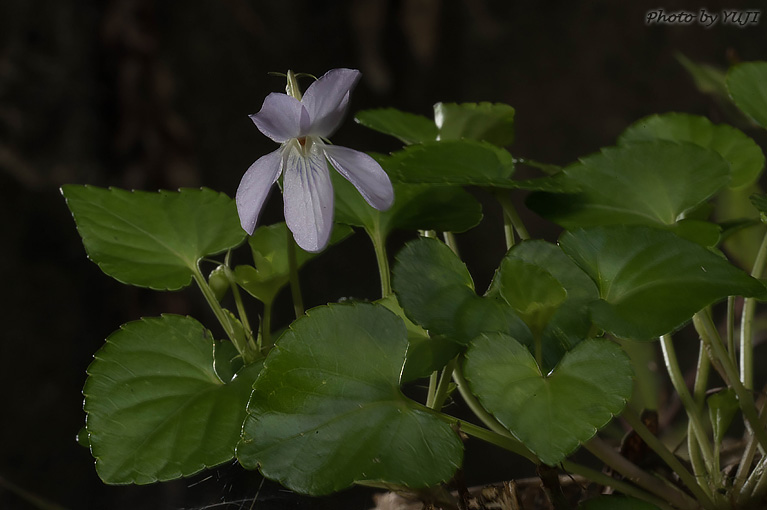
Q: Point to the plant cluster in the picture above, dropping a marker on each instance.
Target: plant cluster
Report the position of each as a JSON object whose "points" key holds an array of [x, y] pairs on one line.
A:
{"points": [[545, 358]]}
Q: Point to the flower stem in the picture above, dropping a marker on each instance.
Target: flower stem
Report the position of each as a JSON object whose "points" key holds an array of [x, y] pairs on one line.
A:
{"points": [[295, 287], [708, 333], [511, 211], [444, 383], [747, 321], [248, 354], [254, 345], [692, 408], [266, 327], [379, 245]]}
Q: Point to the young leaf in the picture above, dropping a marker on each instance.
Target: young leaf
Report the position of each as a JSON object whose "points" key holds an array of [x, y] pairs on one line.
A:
{"points": [[722, 408], [489, 122], [156, 408], [745, 82], [153, 239], [741, 152], [651, 281], [327, 411], [570, 322], [650, 183], [550, 413], [269, 247], [458, 162], [408, 127], [436, 291]]}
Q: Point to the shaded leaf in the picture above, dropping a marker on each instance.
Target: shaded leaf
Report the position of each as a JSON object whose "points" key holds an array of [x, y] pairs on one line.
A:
{"points": [[153, 239], [407, 127], [327, 410], [741, 152], [745, 82], [651, 281]]}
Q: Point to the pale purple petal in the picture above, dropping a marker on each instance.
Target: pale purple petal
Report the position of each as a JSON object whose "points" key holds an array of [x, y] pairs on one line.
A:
{"points": [[255, 186], [281, 117], [327, 98], [365, 173], [308, 196]]}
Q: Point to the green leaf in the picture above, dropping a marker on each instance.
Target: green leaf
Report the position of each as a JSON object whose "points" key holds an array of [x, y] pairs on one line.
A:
{"points": [[552, 413], [157, 410], [531, 291], [651, 183], [759, 200], [708, 79], [153, 239], [327, 411], [489, 122], [408, 127], [651, 281], [459, 162], [269, 248], [722, 408], [570, 323], [745, 82], [424, 353], [615, 502], [416, 207], [741, 152], [436, 291]]}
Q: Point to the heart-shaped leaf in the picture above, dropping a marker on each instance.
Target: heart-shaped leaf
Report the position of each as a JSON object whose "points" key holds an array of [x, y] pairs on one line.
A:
{"points": [[745, 82], [741, 152], [327, 411], [651, 281], [156, 408], [570, 322], [651, 183], [436, 291], [489, 122], [408, 127], [153, 239], [269, 247], [550, 413], [458, 162]]}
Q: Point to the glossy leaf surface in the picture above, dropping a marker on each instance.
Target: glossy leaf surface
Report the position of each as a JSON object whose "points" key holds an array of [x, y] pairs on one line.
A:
{"points": [[550, 413], [741, 152], [153, 239], [652, 183], [489, 122], [327, 410], [651, 281], [156, 407]]}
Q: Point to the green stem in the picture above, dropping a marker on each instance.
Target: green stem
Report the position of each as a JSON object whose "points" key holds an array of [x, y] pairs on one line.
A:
{"points": [[760, 488], [699, 396], [632, 472], [432, 391], [254, 345], [379, 245], [444, 384], [693, 410], [731, 349], [295, 287], [266, 327], [473, 404], [618, 485], [511, 211], [749, 452], [747, 321], [248, 355], [701, 492], [451, 242], [708, 333], [501, 440]]}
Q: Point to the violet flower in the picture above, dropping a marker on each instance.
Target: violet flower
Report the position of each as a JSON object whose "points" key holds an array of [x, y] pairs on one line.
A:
{"points": [[301, 126]]}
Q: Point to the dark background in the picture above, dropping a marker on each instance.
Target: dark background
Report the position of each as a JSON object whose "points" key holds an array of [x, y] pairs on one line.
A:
{"points": [[148, 94]]}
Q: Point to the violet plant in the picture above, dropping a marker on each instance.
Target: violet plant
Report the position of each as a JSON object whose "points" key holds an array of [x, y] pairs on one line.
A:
{"points": [[546, 358]]}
